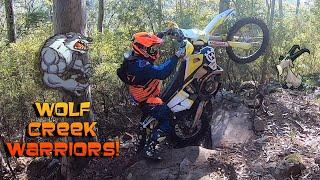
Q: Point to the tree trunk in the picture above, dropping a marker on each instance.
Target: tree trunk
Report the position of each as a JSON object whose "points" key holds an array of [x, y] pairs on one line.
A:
{"points": [[297, 7], [160, 15], [101, 15], [70, 16], [280, 9], [224, 5], [272, 15], [268, 51], [10, 21], [281, 14], [180, 12]]}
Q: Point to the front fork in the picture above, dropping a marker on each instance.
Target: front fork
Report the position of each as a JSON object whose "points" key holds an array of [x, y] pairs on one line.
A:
{"points": [[199, 112]]}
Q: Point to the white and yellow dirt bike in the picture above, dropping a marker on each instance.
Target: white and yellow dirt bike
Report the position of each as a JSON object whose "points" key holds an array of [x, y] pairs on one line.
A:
{"points": [[197, 80]]}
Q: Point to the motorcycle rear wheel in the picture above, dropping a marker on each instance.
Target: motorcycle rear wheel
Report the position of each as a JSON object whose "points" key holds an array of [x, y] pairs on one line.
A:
{"points": [[236, 28]]}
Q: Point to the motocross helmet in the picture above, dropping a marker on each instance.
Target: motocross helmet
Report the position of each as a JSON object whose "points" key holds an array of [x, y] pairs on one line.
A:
{"points": [[147, 45]]}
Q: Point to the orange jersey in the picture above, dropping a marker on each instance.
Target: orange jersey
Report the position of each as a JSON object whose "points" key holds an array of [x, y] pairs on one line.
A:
{"points": [[148, 93]]}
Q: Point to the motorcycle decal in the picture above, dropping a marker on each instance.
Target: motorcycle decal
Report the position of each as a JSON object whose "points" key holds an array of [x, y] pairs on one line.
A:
{"points": [[193, 65], [242, 45], [180, 102], [210, 57], [209, 54], [187, 103], [184, 105], [213, 65], [218, 44], [178, 108], [195, 60], [189, 48], [178, 98]]}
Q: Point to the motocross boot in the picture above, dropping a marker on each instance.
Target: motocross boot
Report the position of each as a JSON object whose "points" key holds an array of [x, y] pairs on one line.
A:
{"points": [[152, 147]]}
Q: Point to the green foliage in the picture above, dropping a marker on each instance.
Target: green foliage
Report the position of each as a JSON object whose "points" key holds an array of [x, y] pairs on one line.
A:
{"points": [[35, 17], [20, 85]]}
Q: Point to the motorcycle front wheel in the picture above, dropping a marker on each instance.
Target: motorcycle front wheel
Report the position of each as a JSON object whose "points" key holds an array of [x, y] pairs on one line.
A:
{"points": [[183, 135], [252, 31]]}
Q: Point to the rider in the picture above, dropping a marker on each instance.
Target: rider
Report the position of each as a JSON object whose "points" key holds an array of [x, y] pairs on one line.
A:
{"points": [[145, 84]]}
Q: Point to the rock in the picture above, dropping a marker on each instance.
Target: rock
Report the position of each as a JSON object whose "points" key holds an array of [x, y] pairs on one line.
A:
{"points": [[231, 126], [317, 160], [248, 85], [271, 166], [290, 166], [129, 176], [273, 88], [185, 163], [267, 177], [19, 167], [43, 168], [257, 167], [259, 124]]}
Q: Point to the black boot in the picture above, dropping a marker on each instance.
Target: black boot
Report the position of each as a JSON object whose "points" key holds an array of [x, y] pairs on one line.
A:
{"points": [[152, 147], [151, 152]]}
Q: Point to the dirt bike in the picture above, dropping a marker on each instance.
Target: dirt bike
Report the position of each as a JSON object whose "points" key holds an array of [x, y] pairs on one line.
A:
{"points": [[197, 79]]}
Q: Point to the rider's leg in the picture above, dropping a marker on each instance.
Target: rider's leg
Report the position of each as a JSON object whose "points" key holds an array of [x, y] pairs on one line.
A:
{"points": [[162, 114]]}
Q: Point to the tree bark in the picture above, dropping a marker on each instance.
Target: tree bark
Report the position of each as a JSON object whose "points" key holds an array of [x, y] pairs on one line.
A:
{"points": [[281, 14], [11, 33], [180, 11], [272, 15], [268, 51], [101, 15], [224, 5], [160, 15], [297, 7], [69, 16], [280, 9]]}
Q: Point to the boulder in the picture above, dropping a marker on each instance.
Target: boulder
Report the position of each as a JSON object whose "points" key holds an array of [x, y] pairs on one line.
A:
{"points": [[231, 124], [259, 124], [185, 163]]}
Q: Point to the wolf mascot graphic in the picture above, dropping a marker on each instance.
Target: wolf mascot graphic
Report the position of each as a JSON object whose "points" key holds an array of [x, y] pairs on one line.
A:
{"points": [[62, 62]]}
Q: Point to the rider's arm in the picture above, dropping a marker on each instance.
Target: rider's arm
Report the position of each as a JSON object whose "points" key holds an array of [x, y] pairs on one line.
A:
{"points": [[161, 71]]}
